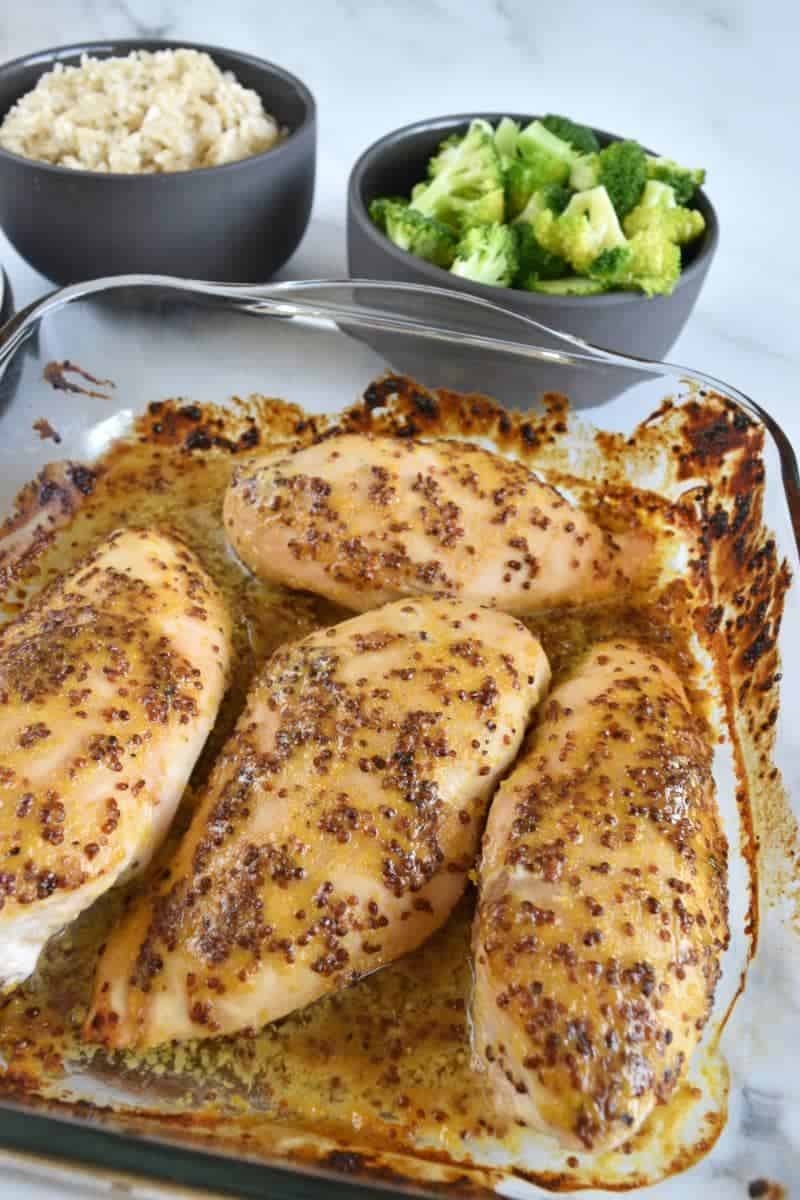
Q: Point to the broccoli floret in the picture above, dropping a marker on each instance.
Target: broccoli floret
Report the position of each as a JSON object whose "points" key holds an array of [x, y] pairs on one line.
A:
{"points": [[421, 236], [585, 173], [657, 195], [587, 226], [487, 254], [552, 196], [580, 137], [573, 285], [378, 209], [658, 210], [520, 180], [445, 152], [438, 161], [655, 263], [551, 157], [533, 261], [612, 266], [466, 184], [622, 170], [505, 140], [650, 262], [683, 180]]}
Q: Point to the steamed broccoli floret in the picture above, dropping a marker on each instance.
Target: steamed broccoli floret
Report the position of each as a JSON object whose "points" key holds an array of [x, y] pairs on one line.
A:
{"points": [[553, 196], [572, 285], [533, 261], [580, 137], [683, 180], [550, 156], [651, 259], [649, 262], [655, 263], [658, 210], [520, 181], [524, 195], [612, 266], [623, 173], [487, 254], [505, 140], [438, 161], [447, 149], [422, 236], [417, 190], [585, 173], [587, 226], [378, 209], [621, 168], [466, 183]]}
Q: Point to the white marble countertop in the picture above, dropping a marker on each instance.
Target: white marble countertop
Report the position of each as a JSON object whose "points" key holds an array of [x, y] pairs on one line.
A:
{"points": [[711, 82]]}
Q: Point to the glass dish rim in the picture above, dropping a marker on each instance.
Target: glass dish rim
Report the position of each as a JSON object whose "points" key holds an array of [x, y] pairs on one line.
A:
{"points": [[275, 299], [62, 1139]]}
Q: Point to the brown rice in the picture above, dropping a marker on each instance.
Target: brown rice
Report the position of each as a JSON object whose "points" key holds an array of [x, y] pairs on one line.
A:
{"points": [[168, 110]]}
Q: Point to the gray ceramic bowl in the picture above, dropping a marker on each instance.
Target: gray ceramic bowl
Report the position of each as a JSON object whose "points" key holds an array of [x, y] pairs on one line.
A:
{"points": [[234, 223], [625, 321]]}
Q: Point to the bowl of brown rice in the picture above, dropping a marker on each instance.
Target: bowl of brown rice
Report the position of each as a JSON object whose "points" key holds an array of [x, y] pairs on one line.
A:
{"points": [[137, 156]]}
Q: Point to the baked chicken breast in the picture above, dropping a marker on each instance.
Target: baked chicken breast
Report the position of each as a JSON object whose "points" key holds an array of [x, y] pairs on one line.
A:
{"points": [[337, 828], [603, 905], [363, 520], [109, 685]]}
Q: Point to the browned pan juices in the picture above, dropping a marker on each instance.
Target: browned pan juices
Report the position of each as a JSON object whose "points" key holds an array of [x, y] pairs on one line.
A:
{"points": [[377, 1079]]}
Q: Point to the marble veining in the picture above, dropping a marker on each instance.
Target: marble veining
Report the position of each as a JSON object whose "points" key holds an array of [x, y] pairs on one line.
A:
{"points": [[709, 83]]}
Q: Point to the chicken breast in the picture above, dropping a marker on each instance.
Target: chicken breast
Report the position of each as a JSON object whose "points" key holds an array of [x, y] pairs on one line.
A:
{"points": [[109, 684], [364, 519], [44, 505], [337, 829], [603, 905]]}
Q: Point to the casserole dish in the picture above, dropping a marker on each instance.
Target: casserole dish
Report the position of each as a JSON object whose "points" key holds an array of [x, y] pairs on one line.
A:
{"points": [[140, 356]]}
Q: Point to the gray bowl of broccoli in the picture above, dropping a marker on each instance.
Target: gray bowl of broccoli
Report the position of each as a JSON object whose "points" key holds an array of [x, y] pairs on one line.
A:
{"points": [[572, 227]]}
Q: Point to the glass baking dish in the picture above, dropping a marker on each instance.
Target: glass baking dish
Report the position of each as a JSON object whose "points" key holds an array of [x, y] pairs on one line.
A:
{"points": [[87, 360]]}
